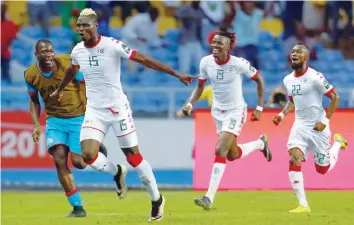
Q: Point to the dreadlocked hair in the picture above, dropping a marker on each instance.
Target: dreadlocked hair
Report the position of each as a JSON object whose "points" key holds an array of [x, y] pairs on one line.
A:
{"points": [[223, 32]]}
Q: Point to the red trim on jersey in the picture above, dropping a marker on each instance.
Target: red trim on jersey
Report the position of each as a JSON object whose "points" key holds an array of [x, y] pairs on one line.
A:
{"points": [[95, 44], [112, 111], [32, 94], [126, 134], [328, 93], [69, 193], [254, 77], [201, 81], [300, 74], [290, 97], [223, 63], [93, 128], [132, 54]]}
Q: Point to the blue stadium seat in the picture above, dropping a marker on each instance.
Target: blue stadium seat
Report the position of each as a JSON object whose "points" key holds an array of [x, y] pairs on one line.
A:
{"points": [[62, 45], [330, 55], [129, 78], [116, 33], [22, 56], [149, 78], [33, 32], [150, 102], [60, 33], [171, 38], [181, 98], [349, 67], [266, 41]]}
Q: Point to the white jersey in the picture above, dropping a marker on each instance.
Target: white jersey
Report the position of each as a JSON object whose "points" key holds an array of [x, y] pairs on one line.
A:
{"points": [[226, 80], [307, 91], [100, 65]]}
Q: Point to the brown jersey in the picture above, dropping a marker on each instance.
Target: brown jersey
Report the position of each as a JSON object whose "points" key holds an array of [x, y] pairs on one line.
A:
{"points": [[73, 102]]}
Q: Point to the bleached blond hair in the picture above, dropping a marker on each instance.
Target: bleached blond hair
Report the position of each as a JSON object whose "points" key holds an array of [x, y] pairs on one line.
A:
{"points": [[88, 12]]}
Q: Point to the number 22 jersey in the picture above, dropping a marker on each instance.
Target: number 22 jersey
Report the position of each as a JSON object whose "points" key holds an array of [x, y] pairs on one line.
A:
{"points": [[307, 90]]}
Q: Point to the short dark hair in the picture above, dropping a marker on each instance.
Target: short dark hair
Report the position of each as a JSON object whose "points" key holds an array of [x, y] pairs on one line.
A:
{"points": [[44, 41], [223, 32], [303, 44]]}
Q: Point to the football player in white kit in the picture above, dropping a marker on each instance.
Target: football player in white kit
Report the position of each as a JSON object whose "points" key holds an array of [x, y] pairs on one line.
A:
{"points": [[229, 109], [99, 58], [310, 131]]}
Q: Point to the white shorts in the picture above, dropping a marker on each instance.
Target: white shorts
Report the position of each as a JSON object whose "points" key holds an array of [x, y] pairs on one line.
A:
{"points": [[230, 121], [306, 139], [98, 121]]}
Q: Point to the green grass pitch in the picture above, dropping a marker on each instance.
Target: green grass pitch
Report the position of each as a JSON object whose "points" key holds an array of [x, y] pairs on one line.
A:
{"points": [[233, 207]]}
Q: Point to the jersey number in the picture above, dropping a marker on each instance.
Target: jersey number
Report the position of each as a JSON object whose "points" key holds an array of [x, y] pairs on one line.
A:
{"points": [[123, 125], [219, 74], [319, 157], [232, 124], [93, 60], [296, 90]]}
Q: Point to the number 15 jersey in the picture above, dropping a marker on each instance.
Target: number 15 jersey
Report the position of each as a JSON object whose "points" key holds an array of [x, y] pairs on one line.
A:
{"points": [[101, 66], [307, 90]]}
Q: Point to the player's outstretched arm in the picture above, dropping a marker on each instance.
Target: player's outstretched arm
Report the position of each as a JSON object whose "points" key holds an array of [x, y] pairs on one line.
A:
{"points": [[197, 92], [159, 66], [290, 106], [333, 105], [69, 76]]}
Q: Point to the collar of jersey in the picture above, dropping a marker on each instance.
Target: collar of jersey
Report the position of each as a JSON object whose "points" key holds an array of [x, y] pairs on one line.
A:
{"points": [[94, 45], [45, 74], [223, 63], [300, 74]]}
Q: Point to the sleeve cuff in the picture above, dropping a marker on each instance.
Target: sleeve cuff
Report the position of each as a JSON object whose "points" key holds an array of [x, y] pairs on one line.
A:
{"points": [[254, 77], [201, 80], [328, 93], [132, 54]]}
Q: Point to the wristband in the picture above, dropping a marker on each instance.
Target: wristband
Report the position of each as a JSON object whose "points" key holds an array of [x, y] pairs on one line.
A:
{"points": [[325, 121], [259, 108], [281, 115], [190, 105]]}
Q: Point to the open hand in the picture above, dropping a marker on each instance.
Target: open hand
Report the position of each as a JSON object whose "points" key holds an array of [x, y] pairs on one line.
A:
{"points": [[36, 134]]}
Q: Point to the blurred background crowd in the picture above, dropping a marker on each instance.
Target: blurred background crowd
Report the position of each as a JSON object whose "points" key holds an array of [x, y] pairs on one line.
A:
{"points": [[176, 32]]}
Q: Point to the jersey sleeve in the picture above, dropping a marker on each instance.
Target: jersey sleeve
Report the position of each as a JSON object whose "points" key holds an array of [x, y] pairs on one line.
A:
{"points": [[203, 75], [74, 61], [248, 70], [31, 90], [323, 85], [122, 50], [79, 77]]}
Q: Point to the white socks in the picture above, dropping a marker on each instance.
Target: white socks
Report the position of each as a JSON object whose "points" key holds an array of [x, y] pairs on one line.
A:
{"points": [[217, 172], [250, 147], [102, 164], [297, 182], [333, 153], [146, 175]]}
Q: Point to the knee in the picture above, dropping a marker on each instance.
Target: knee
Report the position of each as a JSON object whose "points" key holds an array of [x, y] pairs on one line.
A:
{"points": [[295, 157], [321, 169], [88, 156], [221, 151]]}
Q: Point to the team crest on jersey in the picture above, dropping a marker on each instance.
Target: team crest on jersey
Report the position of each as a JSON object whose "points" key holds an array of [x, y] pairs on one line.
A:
{"points": [[219, 74], [101, 51]]}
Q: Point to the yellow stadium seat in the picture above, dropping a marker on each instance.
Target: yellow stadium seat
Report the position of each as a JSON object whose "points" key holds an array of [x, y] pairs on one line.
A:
{"points": [[273, 26], [116, 22], [165, 23], [17, 11], [159, 5]]}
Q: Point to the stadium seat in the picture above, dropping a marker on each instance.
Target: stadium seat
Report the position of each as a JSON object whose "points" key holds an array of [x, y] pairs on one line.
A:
{"points": [[181, 98], [171, 38], [33, 32], [21, 56], [115, 33], [273, 26], [165, 23], [330, 55], [60, 33], [266, 41], [349, 67]]}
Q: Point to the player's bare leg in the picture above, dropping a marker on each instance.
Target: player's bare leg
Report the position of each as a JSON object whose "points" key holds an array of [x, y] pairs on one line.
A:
{"points": [[224, 143], [78, 161], [98, 161], [60, 157], [297, 180], [238, 151], [147, 177]]}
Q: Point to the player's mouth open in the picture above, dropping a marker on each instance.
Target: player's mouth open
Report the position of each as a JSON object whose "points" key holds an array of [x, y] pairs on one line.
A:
{"points": [[215, 51], [294, 60]]}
